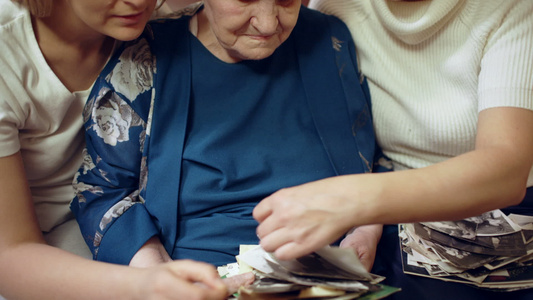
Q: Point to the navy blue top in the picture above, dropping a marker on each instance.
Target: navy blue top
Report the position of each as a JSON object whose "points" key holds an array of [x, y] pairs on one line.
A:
{"points": [[250, 133]]}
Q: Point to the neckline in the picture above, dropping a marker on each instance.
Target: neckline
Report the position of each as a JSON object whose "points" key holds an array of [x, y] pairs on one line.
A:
{"points": [[430, 18], [39, 56]]}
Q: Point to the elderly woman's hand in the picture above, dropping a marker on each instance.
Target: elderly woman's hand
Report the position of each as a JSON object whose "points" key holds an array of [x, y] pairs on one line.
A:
{"points": [[364, 241], [233, 283], [150, 254]]}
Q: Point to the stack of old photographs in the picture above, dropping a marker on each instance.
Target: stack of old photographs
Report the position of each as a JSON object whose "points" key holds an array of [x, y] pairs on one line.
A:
{"points": [[330, 273], [491, 251]]}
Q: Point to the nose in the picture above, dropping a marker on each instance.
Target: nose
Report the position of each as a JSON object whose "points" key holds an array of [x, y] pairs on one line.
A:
{"points": [[265, 18]]}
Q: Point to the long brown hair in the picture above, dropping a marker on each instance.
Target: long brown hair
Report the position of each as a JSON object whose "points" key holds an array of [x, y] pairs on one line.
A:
{"points": [[38, 8]]}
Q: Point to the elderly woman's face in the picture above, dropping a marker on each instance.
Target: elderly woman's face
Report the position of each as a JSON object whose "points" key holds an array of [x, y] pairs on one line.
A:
{"points": [[251, 29]]}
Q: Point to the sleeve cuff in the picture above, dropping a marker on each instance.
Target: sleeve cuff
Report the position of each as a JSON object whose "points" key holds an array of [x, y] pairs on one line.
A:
{"points": [[126, 236]]}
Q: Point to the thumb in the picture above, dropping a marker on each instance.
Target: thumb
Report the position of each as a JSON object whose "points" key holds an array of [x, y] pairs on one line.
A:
{"points": [[233, 283]]}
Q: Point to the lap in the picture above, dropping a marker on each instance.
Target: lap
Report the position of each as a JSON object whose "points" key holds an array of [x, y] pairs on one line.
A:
{"points": [[389, 264], [524, 208]]}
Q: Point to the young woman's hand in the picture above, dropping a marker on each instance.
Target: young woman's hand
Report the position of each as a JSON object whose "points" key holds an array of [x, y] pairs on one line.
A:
{"points": [[299, 220], [181, 280]]}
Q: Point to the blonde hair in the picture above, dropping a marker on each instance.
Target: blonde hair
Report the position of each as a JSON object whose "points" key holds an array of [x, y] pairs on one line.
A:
{"points": [[159, 4], [38, 8]]}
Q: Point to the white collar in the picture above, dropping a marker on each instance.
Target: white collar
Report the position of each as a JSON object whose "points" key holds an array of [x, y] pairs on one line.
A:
{"points": [[414, 22]]}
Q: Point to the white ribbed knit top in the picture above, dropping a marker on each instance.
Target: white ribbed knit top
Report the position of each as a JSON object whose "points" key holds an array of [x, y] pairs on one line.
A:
{"points": [[433, 65]]}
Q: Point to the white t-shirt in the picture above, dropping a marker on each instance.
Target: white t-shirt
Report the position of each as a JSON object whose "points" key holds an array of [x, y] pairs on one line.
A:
{"points": [[39, 117], [432, 66]]}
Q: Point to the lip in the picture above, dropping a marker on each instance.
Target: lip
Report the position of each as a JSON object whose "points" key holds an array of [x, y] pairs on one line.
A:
{"points": [[131, 19], [260, 37]]}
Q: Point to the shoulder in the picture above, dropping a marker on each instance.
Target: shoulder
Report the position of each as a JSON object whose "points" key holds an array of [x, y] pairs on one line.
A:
{"points": [[130, 71], [187, 11], [126, 82], [309, 16], [313, 25], [18, 45], [11, 11], [180, 18], [21, 61], [15, 23], [479, 12]]}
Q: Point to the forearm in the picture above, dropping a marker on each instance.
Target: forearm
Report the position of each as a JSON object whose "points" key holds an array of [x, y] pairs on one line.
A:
{"points": [[463, 186], [39, 271], [494, 175], [298, 220]]}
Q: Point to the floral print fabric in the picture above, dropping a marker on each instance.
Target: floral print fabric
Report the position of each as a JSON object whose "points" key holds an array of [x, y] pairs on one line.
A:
{"points": [[111, 121]]}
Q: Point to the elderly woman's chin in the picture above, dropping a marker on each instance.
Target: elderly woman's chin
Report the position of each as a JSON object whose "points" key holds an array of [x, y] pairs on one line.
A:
{"points": [[255, 54], [254, 50]]}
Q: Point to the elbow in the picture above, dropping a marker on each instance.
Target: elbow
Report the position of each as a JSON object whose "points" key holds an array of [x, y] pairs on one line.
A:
{"points": [[514, 185], [517, 196], [515, 192]]}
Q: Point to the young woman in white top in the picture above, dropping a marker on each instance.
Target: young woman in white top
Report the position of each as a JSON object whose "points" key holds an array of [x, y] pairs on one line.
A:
{"points": [[50, 54], [451, 83]]}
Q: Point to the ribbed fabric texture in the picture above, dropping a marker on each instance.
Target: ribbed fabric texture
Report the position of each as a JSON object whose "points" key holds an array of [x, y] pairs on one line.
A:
{"points": [[432, 66]]}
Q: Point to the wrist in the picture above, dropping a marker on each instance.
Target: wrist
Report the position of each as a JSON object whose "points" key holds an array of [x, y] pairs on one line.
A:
{"points": [[151, 253]]}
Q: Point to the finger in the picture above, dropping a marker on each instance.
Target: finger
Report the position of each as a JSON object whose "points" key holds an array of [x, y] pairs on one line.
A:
{"points": [[275, 239], [262, 210], [305, 233], [233, 283], [188, 290], [292, 250], [288, 244], [198, 272], [347, 242], [268, 226], [303, 242], [366, 256], [170, 281], [276, 219], [367, 261], [183, 289]]}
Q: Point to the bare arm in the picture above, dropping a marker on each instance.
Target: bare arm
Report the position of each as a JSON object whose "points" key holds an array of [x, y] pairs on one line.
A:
{"points": [[30, 269], [298, 220]]}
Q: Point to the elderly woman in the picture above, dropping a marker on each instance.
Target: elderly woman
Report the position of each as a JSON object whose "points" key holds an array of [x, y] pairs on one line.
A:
{"points": [[190, 126]]}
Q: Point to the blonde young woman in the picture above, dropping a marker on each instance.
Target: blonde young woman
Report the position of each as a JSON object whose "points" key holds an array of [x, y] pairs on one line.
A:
{"points": [[51, 54]]}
